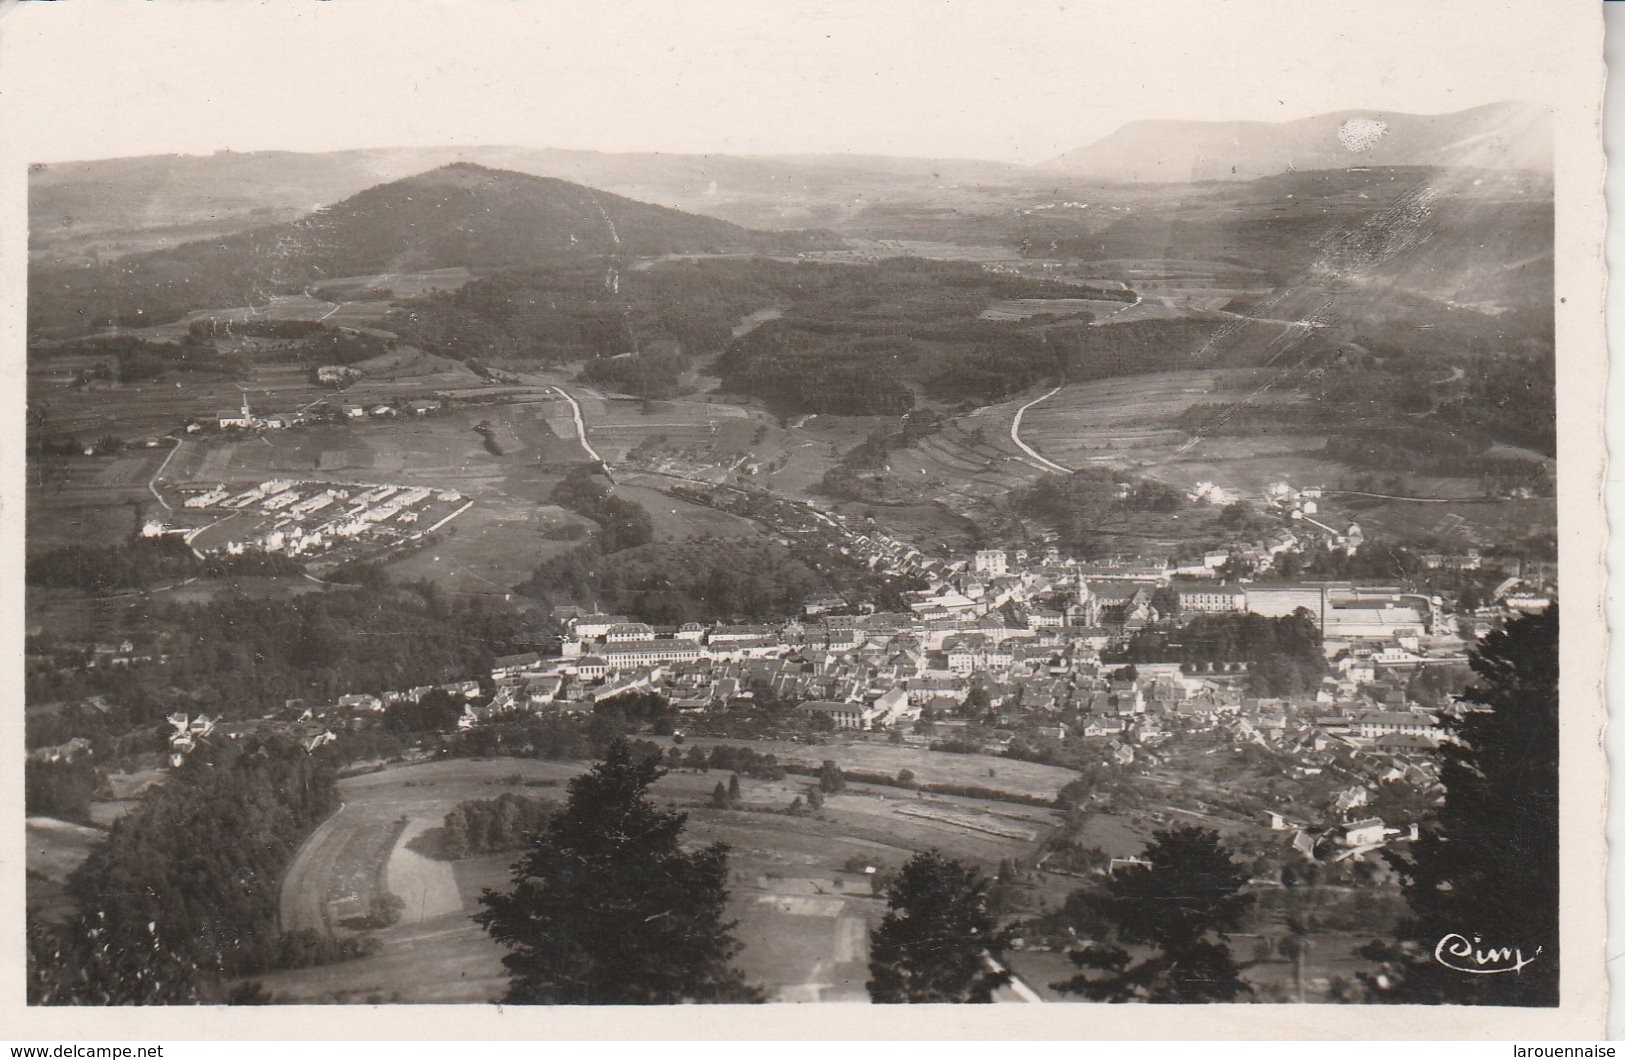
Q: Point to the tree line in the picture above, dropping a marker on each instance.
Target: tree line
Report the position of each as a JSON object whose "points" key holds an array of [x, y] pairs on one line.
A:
{"points": [[494, 826], [183, 893], [1283, 653], [143, 562], [242, 655], [622, 524], [669, 583]]}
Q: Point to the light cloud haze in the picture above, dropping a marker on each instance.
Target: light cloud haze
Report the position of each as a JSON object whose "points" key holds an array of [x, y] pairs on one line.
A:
{"points": [[1012, 82]]}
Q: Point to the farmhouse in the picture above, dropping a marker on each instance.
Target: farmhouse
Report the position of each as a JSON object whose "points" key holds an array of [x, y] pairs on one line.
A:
{"points": [[1369, 832]]}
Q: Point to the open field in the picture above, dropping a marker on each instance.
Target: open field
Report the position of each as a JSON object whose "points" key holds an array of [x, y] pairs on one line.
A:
{"points": [[798, 458], [89, 499], [344, 312], [679, 520], [708, 438], [54, 849], [1028, 779], [131, 410], [803, 918], [400, 284], [1026, 308], [486, 550], [1479, 523], [85, 517], [410, 366], [1131, 423], [1129, 419], [489, 548]]}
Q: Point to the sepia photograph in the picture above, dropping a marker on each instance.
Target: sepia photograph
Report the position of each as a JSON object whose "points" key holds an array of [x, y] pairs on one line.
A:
{"points": [[787, 506]]}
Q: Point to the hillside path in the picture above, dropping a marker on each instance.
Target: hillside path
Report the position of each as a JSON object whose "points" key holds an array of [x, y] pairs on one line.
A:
{"points": [[1015, 434]]}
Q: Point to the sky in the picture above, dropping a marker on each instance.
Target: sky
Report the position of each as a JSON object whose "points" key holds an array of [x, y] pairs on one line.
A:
{"points": [[1008, 80]]}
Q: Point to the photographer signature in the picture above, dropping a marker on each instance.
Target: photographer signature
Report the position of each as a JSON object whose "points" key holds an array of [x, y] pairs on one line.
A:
{"points": [[1460, 954]]}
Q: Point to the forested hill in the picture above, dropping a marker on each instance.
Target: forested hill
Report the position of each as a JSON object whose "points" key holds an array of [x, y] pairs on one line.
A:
{"points": [[466, 214], [458, 215]]}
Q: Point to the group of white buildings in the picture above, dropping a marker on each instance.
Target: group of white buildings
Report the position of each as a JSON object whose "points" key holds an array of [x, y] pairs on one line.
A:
{"points": [[308, 518]]}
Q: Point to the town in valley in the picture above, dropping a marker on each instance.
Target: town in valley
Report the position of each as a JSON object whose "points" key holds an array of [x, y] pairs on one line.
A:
{"points": [[1043, 524]]}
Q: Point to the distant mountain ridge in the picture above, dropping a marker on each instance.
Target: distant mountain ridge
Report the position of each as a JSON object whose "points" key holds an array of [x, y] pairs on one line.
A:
{"points": [[1496, 136], [121, 207], [124, 205]]}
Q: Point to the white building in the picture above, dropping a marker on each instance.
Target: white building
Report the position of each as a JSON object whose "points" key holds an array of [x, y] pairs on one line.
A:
{"points": [[991, 561]]}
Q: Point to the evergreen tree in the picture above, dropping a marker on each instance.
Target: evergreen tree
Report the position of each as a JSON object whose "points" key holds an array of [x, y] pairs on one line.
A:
{"points": [[719, 797], [1487, 866], [1178, 907], [83, 963], [830, 778], [936, 940], [608, 909], [733, 788]]}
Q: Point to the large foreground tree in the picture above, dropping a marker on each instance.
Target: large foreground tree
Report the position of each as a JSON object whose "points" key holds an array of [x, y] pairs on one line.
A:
{"points": [[1159, 927], [608, 909], [1486, 868], [938, 938]]}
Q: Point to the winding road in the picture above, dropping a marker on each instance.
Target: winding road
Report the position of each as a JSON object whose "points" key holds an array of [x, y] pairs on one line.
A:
{"points": [[581, 429], [1015, 434], [152, 483]]}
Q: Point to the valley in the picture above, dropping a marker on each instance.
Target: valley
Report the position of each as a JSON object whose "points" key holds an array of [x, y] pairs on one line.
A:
{"points": [[1017, 512]]}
